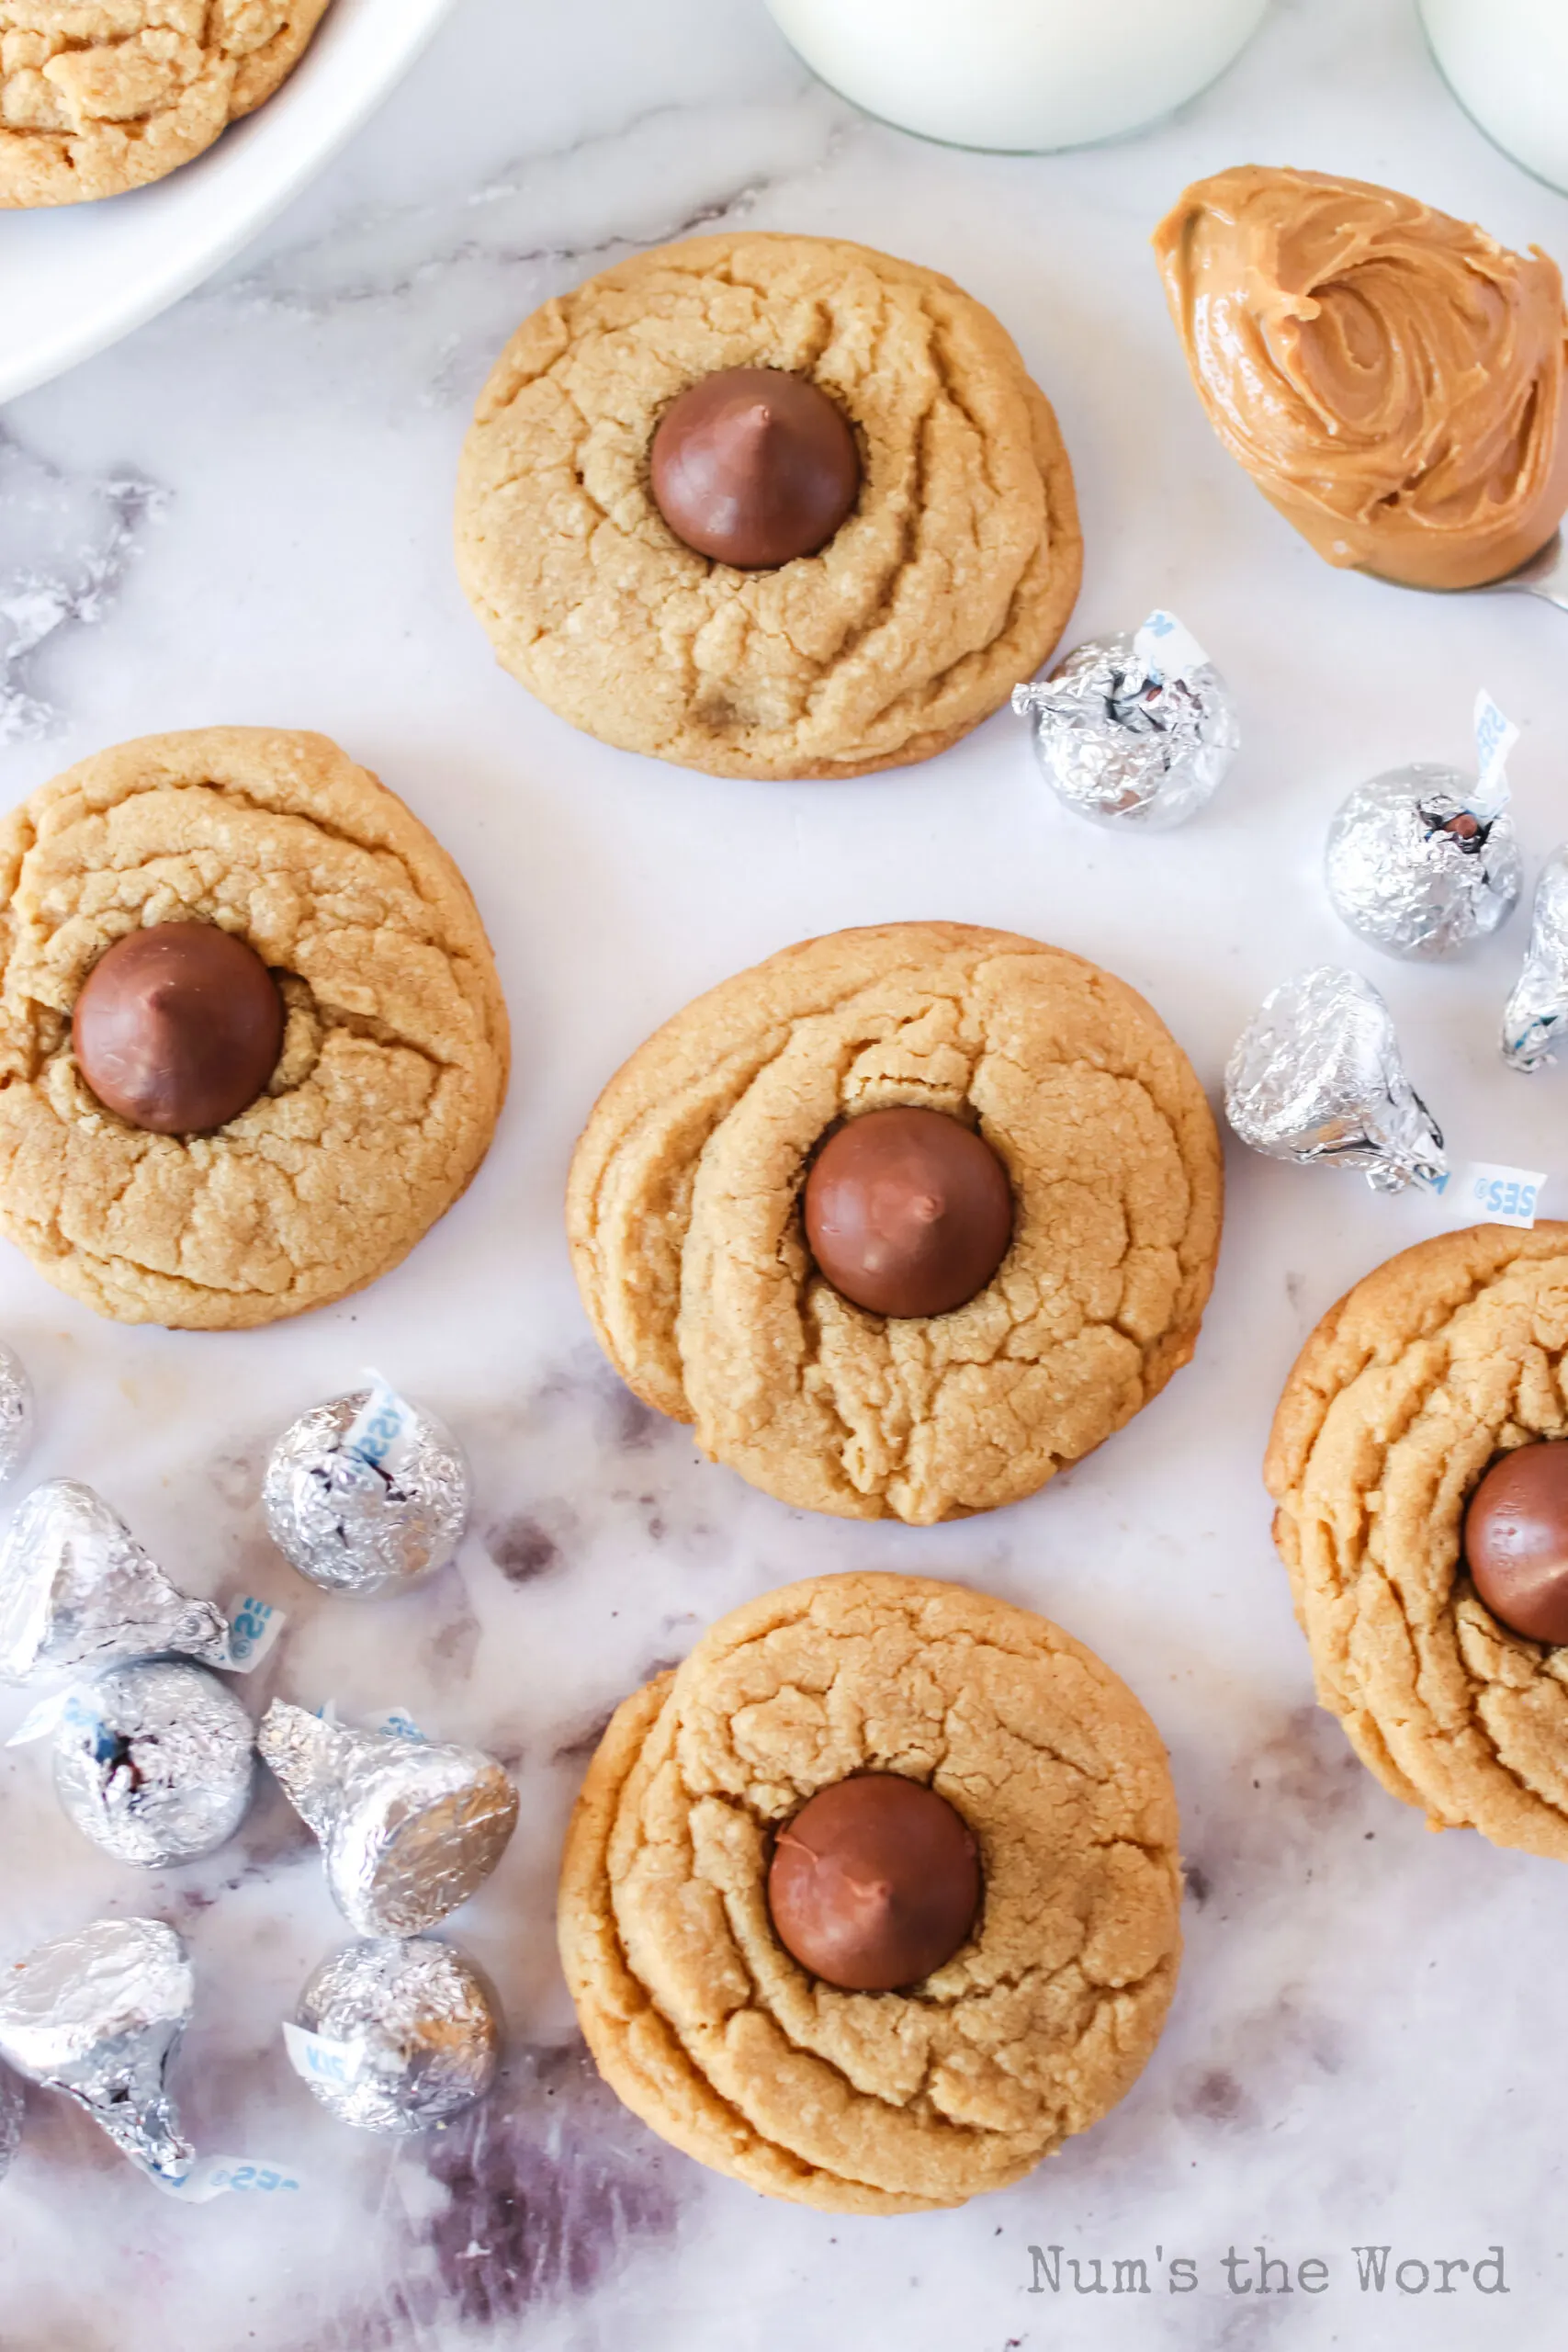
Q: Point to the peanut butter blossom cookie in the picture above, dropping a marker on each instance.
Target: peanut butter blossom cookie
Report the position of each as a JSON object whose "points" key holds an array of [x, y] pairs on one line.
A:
{"points": [[252, 1040], [874, 1901], [1419, 1460], [903, 1220], [769, 506], [106, 96]]}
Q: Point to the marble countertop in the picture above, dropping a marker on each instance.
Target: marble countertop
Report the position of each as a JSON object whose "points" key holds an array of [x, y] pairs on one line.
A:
{"points": [[242, 513]]}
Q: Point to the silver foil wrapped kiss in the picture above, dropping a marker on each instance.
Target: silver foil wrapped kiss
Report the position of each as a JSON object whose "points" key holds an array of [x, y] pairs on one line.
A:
{"points": [[1537, 1011], [365, 1494], [98, 2015], [408, 1828], [16, 1413], [155, 1762], [77, 1589], [1415, 868], [396, 2036], [1317, 1075], [11, 2116], [1135, 730]]}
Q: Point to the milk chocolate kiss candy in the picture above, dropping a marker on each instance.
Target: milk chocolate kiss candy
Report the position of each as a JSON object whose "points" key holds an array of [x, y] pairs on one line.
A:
{"points": [[1515, 1540], [178, 1028], [754, 466], [875, 1883], [907, 1212]]}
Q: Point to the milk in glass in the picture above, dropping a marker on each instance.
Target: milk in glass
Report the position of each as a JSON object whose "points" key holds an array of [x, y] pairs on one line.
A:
{"points": [[1021, 74]]}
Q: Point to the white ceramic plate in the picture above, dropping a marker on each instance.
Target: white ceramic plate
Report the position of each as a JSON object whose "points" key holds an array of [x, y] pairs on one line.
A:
{"points": [[76, 276]]}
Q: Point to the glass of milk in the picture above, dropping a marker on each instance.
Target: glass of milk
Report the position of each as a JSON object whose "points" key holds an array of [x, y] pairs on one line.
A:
{"points": [[1024, 74], [1506, 62]]}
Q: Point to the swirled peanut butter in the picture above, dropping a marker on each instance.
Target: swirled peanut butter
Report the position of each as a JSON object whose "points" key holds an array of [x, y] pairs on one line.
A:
{"points": [[1391, 379]]}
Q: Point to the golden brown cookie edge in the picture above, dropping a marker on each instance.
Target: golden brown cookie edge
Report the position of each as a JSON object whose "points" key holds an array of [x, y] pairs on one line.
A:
{"points": [[189, 755], [585, 1906], [545, 327], [690, 1028], [1360, 1322], [256, 79], [658, 2080]]}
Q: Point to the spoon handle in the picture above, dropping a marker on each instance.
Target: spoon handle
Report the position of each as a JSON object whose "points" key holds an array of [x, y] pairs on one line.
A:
{"points": [[1545, 575]]}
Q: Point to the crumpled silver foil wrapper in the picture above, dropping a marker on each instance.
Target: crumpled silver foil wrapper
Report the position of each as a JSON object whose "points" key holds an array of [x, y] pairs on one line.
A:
{"points": [[1536, 1015], [11, 2114], [77, 1589], [1124, 745], [1412, 869], [408, 1828], [16, 1413], [423, 2026], [355, 1524], [1316, 1075], [155, 1762], [98, 2015]]}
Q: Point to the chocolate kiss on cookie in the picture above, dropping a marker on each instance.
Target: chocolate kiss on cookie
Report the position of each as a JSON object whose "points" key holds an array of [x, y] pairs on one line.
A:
{"points": [[1515, 1540], [754, 466], [875, 1883], [907, 1212], [178, 1028]]}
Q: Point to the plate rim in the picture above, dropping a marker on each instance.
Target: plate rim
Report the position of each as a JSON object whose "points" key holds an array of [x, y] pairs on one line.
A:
{"points": [[158, 289]]}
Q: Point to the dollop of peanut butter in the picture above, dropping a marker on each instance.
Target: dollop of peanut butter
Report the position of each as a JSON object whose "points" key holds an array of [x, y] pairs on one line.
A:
{"points": [[1391, 379]]}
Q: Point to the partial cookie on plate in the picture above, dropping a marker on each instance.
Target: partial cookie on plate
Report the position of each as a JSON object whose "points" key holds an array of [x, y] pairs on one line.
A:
{"points": [[1434, 1608], [684, 1211], [951, 576], [1046, 1999], [101, 98], [362, 1113]]}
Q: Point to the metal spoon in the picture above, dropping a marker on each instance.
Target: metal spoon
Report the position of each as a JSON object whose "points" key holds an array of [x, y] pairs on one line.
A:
{"points": [[1544, 575]]}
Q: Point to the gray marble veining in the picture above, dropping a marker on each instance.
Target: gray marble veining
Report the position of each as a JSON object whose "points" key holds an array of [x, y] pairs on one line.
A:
{"points": [[245, 513], [67, 543]]}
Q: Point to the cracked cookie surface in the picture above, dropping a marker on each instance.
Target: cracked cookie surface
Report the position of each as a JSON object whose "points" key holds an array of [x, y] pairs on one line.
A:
{"points": [[108, 95], [1447, 1355], [887, 2102], [395, 1048], [952, 578], [684, 1218]]}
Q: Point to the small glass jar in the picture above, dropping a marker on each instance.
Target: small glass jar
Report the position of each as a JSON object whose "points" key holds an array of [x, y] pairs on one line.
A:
{"points": [[1506, 62], [1019, 74]]}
